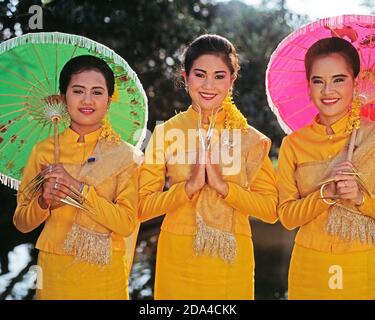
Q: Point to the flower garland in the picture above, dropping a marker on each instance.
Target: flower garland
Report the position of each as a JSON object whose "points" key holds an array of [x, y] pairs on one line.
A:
{"points": [[108, 133], [234, 119], [354, 121]]}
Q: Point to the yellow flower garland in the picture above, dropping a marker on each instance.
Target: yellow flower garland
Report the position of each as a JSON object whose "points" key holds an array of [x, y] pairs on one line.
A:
{"points": [[108, 133], [354, 121], [234, 119]]}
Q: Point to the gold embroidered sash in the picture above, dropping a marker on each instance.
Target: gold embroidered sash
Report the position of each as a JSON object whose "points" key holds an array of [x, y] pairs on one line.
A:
{"points": [[88, 240]]}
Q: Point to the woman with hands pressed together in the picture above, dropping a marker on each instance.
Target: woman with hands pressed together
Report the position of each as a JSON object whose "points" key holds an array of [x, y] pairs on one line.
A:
{"points": [[218, 173]]}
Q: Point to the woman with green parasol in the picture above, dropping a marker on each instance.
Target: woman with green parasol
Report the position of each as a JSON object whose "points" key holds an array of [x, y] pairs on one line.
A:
{"points": [[82, 248]]}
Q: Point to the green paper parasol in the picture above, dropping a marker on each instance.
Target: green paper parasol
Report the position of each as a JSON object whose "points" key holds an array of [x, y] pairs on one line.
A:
{"points": [[29, 71]]}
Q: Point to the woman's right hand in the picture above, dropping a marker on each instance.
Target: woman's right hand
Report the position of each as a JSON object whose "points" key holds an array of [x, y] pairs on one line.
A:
{"points": [[198, 177], [52, 193], [330, 191], [47, 198]]}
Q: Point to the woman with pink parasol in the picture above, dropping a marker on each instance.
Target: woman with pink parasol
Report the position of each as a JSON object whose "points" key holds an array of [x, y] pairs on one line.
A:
{"points": [[326, 179]]}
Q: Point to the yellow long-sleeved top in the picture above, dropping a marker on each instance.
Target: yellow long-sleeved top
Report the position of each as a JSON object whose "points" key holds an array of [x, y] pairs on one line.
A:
{"points": [[312, 144], [115, 201], [259, 200]]}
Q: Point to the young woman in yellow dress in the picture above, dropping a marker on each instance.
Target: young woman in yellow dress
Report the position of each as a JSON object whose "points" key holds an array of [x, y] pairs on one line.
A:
{"points": [[334, 254], [205, 249], [83, 252]]}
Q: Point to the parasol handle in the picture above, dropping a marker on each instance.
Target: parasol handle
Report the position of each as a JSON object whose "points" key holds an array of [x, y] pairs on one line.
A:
{"points": [[349, 156], [55, 121]]}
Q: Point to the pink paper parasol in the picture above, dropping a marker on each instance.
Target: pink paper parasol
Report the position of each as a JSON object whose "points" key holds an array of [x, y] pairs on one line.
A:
{"points": [[286, 83]]}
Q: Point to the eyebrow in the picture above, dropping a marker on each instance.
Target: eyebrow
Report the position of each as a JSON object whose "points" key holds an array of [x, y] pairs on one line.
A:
{"points": [[201, 70], [80, 86], [335, 76]]}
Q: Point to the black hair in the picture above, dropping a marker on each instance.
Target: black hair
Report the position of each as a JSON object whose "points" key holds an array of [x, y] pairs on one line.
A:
{"points": [[211, 44], [328, 46], [85, 63]]}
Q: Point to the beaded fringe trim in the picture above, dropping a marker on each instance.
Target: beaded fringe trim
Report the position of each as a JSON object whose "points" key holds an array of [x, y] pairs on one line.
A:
{"points": [[68, 39], [9, 182], [350, 226], [88, 246], [214, 242]]}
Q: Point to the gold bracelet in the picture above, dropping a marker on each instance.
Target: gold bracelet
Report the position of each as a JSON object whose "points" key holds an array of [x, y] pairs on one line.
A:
{"points": [[363, 200], [322, 196]]}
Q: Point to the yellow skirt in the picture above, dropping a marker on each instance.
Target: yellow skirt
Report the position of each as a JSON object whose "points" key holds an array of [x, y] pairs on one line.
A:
{"points": [[62, 278], [180, 274], [319, 275]]}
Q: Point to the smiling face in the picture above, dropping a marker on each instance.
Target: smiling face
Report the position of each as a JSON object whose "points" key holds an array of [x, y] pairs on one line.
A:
{"points": [[87, 101], [209, 81], [331, 86]]}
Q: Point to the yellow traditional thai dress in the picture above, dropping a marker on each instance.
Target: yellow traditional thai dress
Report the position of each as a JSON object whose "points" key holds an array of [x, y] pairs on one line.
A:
{"points": [[115, 204], [323, 265], [180, 272]]}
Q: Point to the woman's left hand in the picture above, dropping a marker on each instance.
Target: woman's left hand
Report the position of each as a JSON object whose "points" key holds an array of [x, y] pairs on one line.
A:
{"points": [[214, 177]]}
